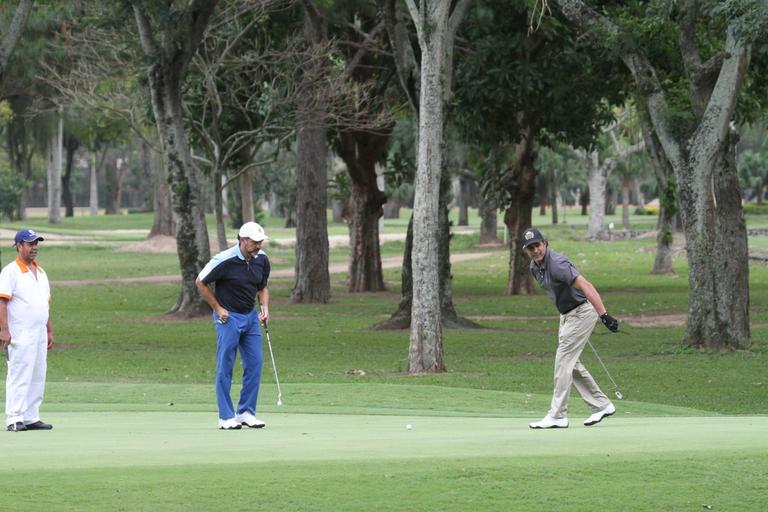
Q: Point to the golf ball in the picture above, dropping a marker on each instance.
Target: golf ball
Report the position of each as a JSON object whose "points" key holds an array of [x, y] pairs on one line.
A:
{"points": [[408, 427]]}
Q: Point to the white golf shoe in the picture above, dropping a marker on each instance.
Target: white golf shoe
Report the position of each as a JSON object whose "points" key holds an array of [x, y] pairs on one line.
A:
{"points": [[550, 422], [249, 420], [597, 417], [230, 424]]}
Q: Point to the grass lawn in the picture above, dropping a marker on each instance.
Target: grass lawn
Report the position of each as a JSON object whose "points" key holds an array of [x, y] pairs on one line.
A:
{"points": [[130, 393]]}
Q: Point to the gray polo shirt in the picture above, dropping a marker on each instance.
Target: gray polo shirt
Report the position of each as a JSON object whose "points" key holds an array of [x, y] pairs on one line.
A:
{"points": [[556, 275]]}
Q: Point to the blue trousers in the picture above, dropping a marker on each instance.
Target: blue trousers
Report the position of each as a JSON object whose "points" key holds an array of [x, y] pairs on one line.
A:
{"points": [[242, 332]]}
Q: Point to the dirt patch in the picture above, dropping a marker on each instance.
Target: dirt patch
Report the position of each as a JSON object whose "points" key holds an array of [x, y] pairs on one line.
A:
{"points": [[657, 320], [160, 244]]}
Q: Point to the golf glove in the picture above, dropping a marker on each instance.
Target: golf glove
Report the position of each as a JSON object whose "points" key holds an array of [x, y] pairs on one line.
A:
{"points": [[611, 323]]}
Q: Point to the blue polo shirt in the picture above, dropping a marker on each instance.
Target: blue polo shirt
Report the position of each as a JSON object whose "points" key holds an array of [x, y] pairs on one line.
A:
{"points": [[237, 279], [556, 275]]}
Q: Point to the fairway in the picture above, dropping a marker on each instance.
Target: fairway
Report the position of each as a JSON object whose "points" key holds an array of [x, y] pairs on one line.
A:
{"points": [[178, 460]]}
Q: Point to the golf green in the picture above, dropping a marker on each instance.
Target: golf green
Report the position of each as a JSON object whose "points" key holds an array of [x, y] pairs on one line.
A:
{"points": [[92, 440], [178, 460]]}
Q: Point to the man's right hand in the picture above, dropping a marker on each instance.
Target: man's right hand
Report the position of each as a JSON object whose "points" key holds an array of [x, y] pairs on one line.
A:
{"points": [[223, 315], [611, 323]]}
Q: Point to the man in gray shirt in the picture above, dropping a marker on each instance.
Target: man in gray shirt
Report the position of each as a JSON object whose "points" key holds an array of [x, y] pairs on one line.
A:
{"points": [[580, 306]]}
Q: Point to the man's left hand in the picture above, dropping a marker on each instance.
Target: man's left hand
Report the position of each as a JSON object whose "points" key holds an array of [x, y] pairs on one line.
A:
{"points": [[611, 323]]}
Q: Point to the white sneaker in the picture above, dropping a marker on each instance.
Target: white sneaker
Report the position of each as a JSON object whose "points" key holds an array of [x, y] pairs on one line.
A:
{"points": [[229, 424], [597, 417], [550, 422], [249, 420]]}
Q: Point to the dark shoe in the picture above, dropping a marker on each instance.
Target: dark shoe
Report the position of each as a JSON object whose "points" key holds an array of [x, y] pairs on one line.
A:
{"points": [[39, 425], [17, 427]]}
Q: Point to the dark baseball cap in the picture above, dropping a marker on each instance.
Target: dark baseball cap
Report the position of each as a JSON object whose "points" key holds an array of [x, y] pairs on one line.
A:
{"points": [[27, 235], [532, 236]]}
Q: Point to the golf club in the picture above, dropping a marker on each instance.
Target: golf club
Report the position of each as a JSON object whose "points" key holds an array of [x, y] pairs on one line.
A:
{"points": [[616, 387], [272, 357]]}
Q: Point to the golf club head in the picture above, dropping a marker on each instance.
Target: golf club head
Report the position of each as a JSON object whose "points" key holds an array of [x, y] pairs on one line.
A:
{"points": [[619, 395], [279, 402]]}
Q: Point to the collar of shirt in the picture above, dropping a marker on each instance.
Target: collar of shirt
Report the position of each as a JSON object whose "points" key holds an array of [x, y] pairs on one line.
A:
{"points": [[23, 266]]}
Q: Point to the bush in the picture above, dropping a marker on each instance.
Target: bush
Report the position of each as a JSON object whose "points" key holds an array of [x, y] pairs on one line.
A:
{"points": [[647, 210], [756, 209], [11, 188]]}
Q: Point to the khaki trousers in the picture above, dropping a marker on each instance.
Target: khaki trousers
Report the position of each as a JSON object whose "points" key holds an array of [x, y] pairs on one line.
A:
{"points": [[575, 329]]}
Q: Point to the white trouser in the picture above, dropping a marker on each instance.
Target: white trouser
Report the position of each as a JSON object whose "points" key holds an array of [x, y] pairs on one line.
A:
{"points": [[25, 383], [575, 328]]}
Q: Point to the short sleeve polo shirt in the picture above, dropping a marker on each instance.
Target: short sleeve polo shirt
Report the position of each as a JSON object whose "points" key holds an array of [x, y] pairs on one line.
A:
{"points": [[28, 296], [556, 275], [237, 280]]}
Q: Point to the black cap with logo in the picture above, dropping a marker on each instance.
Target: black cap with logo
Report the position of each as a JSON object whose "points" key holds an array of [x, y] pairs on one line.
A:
{"points": [[532, 236]]}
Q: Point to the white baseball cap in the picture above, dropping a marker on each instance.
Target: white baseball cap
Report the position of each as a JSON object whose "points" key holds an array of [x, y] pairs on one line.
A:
{"points": [[253, 231]]}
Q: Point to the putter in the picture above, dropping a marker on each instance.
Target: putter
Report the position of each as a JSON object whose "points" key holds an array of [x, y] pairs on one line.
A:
{"points": [[272, 357], [615, 386]]}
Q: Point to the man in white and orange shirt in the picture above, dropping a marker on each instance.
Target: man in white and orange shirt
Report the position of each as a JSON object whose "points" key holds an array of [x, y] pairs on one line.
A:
{"points": [[26, 333]]}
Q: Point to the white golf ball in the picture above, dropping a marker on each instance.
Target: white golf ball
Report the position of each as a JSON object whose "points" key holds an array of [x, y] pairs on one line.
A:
{"points": [[408, 427]]}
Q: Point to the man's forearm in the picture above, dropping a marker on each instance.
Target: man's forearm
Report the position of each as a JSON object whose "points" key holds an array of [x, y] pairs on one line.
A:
{"points": [[207, 294], [264, 298]]}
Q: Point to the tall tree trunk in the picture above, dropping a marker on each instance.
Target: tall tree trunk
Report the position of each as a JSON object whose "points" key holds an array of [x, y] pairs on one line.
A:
{"points": [[13, 33], [716, 243], [162, 221], [401, 318], [93, 195], [111, 187], [169, 47], [426, 348], [312, 282], [360, 152], [436, 28], [70, 144], [625, 184], [218, 207], [597, 180], [246, 196], [553, 199], [665, 182], [391, 208], [488, 223], [517, 217], [147, 174], [448, 315], [55, 150], [463, 201]]}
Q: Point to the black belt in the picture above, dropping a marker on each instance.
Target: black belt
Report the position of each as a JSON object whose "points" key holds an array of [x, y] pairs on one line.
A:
{"points": [[574, 307]]}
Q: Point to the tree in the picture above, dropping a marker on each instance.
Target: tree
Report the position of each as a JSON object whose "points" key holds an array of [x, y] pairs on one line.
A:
{"points": [[402, 160], [54, 150], [691, 99], [436, 25], [753, 173], [12, 35], [517, 89], [362, 145], [598, 170], [237, 97], [169, 36], [312, 283]]}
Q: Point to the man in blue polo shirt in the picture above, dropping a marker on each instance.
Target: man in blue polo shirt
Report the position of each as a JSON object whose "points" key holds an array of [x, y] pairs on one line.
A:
{"points": [[240, 274], [580, 306]]}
